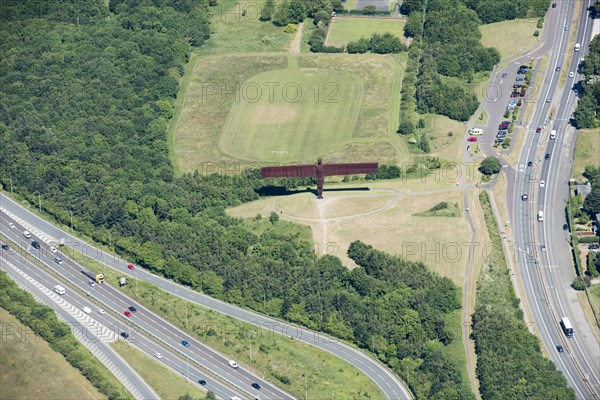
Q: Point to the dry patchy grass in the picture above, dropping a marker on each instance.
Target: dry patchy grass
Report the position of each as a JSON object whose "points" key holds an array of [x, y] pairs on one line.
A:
{"points": [[510, 37], [346, 30], [30, 369]]}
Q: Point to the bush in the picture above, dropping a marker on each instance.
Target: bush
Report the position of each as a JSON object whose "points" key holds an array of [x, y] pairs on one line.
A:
{"points": [[290, 28], [536, 33], [589, 239], [406, 128], [490, 166], [578, 284], [321, 16], [360, 46], [387, 44], [540, 23]]}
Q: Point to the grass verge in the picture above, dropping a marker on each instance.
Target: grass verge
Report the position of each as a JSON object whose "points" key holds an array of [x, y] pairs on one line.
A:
{"points": [[30, 369], [270, 355], [166, 383]]}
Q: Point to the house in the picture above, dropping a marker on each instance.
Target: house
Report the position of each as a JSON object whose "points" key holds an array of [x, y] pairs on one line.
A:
{"points": [[583, 190]]}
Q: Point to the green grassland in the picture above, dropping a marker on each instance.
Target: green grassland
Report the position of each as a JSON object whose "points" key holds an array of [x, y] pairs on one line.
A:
{"points": [[303, 112], [510, 37], [346, 30], [166, 383], [249, 109], [587, 151], [261, 350], [30, 369]]}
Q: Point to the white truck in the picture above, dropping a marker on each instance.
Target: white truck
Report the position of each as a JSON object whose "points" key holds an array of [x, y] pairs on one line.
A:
{"points": [[540, 216], [566, 326], [59, 289]]}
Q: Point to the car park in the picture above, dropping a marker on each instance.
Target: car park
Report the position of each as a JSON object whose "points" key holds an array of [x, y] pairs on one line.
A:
{"points": [[499, 140], [53, 249], [58, 260], [130, 266], [256, 385], [500, 135], [86, 309], [233, 364], [11, 225], [517, 85], [571, 74], [520, 79], [127, 313], [125, 335], [157, 355], [185, 343], [202, 382], [542, 183], [101, 311], [471, 139]]}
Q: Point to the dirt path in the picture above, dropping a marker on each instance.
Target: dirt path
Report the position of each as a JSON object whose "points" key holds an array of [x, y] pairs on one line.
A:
{"points": [[295, 45]]}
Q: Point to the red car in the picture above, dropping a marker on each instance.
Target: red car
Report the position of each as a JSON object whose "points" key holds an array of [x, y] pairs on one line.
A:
{"points": [[471, 139], [127, 313], [130, 266]]}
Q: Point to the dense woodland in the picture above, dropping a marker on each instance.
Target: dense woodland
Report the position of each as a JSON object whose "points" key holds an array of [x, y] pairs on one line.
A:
{"points": [[587, 114], [86, 96]]}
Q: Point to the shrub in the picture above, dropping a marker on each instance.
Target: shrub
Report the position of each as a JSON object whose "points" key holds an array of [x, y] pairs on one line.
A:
{"points": [[321, 16], [386, 44], [290, 28], [589, 239], [578, 284], [406, 128], [360, 46], [540, 23]]}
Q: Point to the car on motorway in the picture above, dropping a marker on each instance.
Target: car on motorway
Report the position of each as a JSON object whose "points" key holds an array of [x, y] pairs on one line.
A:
{"points": [[5, 246], [27, 234], [58, 260], [132, 309], [91, 283], [157, 355], [524, 196], [35, 244], [127, 313], [529, 163], [560, 349], [471, 139], [86, 309], [553, 5], [548, 100], [125, 335], [542, 183], [233, 364], [538, 130], [234, 398], [566, 27], [571, 74], [130, 266], [256, 386], [185, 343], [504, 75], [11, 225], [101, 311], [53, 249], [543, 247], [547, 156], [557, 68], [202, 382]]}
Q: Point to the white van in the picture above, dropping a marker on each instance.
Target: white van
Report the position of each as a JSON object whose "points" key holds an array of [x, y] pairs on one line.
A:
{"points": [[59, 289], [27, 234], [86, 309], [553, 134], [577, 46], [540, 216]]}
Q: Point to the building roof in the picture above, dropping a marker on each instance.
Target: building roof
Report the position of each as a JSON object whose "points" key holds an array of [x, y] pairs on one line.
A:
{"points": [[583, 190]]}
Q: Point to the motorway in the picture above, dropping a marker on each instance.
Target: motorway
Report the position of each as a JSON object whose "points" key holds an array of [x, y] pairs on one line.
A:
{"points": [[392, 387], [546, 275], [115, 301]]}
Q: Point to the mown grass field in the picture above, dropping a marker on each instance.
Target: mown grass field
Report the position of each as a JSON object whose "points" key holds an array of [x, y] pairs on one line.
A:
{"points": [[249, 110], [291, 114], [166, 383], [346, 30], [510, 37], [30, 369]]}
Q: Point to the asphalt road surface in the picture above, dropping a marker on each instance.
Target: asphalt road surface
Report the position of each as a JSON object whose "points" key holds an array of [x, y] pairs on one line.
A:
{"points": [[392, 387]]}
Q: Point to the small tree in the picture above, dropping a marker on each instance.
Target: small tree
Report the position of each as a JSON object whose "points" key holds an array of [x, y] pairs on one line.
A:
{"points": [[274, 217], [578, 284], [421, 124], [490, 166], [268, 10], [362, 45], [591, 205], [321, 16], [406, 128], [282, 16]]}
